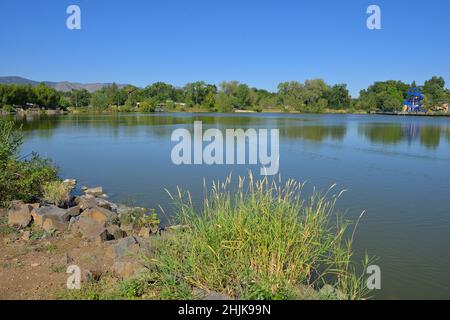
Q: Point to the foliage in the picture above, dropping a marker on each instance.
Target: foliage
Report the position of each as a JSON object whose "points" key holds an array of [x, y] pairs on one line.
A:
{"points": [[20, 180], [434, 90], [139, 217], [57, 193], [313, 95], [385, 96]]}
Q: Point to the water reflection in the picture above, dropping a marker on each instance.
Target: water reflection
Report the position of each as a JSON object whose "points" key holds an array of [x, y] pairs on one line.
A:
{"points": [[428, 136], [314, 133], [291, 127], [384, 134]]}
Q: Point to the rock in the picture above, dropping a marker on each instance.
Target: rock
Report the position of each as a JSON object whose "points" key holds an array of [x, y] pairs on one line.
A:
{"points": [[102, 203], [123, 247], [89, 228], [145, 233], [210, 295], [26, 236], [99, 214], [70, 182], [97, 191], [127, 268], [73, 212], [53, 223], [35, 205], [20, 215], [330, 292], [71, 222], [116, 232], [93, 230], [85, 202], [305, 292], [51, 218], [91, 276]]}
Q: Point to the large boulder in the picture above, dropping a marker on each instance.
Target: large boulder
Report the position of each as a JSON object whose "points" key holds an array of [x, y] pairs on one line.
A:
{"points": [[51, 217], [97, 191], [91, 229], [127, 268], [86, 202], [20, 214], [123, 247], [105, 204], [99, 214]]}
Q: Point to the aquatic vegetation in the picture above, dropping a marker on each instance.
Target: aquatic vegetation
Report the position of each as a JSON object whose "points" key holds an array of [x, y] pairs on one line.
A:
{"points": [[262, 241]]}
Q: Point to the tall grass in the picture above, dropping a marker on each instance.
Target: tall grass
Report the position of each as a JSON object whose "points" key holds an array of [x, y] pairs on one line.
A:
{"points": [[261, 241]]}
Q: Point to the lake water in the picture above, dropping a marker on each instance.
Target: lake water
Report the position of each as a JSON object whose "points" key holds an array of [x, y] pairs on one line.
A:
{"points": [[395, 168]]}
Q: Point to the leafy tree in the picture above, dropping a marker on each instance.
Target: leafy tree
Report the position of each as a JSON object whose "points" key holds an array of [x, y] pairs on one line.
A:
{"points": [[196, 94], [434, 90], [386, 96], [338, 97], [79, 98], [100, 99], [46, 97], [160, 92]]}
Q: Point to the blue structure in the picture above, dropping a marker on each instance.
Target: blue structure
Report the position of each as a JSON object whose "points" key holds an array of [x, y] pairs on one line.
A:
{"points": [[414, 102]]}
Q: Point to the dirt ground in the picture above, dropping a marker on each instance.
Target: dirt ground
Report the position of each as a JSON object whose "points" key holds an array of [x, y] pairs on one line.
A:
{"points": [[36, 270]]}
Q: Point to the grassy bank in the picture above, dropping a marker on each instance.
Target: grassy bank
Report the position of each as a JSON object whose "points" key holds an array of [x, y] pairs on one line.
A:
{"points": [[261, 241]]}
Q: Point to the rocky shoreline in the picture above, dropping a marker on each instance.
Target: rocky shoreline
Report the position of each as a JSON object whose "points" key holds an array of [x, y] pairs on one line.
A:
{"points": [[123, 233], [104, 239]]}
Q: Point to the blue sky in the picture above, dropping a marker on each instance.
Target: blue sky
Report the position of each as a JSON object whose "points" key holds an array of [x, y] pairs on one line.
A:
{"points": [[259, 42]]}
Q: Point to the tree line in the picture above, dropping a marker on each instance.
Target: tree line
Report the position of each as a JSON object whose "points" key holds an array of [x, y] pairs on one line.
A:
{"points": [[310, 96]]}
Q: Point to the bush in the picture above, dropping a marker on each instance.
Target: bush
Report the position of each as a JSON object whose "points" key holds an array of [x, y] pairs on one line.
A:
{"points": [[21, 180], [57, 193], [147, 105], [7, 108], [261, 242], [139, 217]]}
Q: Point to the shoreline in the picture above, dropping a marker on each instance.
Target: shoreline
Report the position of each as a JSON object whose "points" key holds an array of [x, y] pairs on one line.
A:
{"points": [[239, 112]]}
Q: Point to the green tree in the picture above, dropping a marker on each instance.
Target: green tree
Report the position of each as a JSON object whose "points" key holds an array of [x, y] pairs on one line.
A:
{"points": [[46, 97], [160, 92], [434, 90], [79, 98], [199, 94], [386, 96], [338, 97]]}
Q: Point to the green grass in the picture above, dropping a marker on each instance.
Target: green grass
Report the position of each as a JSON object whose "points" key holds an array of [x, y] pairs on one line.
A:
{"points": [[260, 242]]}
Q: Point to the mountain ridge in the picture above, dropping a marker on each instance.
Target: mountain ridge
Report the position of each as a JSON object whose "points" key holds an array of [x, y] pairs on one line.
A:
{"points": [[63, 86]]}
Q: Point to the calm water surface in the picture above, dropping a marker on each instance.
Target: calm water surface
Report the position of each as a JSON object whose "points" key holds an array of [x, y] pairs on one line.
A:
{"points": [[395, 168]]}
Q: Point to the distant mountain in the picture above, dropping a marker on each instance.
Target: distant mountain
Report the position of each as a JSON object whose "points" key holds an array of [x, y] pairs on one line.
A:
{"points": [[63, 86]]}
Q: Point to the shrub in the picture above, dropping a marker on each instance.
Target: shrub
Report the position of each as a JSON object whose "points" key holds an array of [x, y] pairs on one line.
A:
{"points": [[261, 242], [21, 179], [139, 217], [57, 193], [7, 108], [147, 105]]}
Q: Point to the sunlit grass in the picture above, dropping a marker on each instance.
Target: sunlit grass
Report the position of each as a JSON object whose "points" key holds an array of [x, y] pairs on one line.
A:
{"points": [[261, 241]]}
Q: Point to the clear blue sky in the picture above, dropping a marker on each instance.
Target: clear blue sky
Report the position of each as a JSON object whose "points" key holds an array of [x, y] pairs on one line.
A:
{"points": [[257, 42]]}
